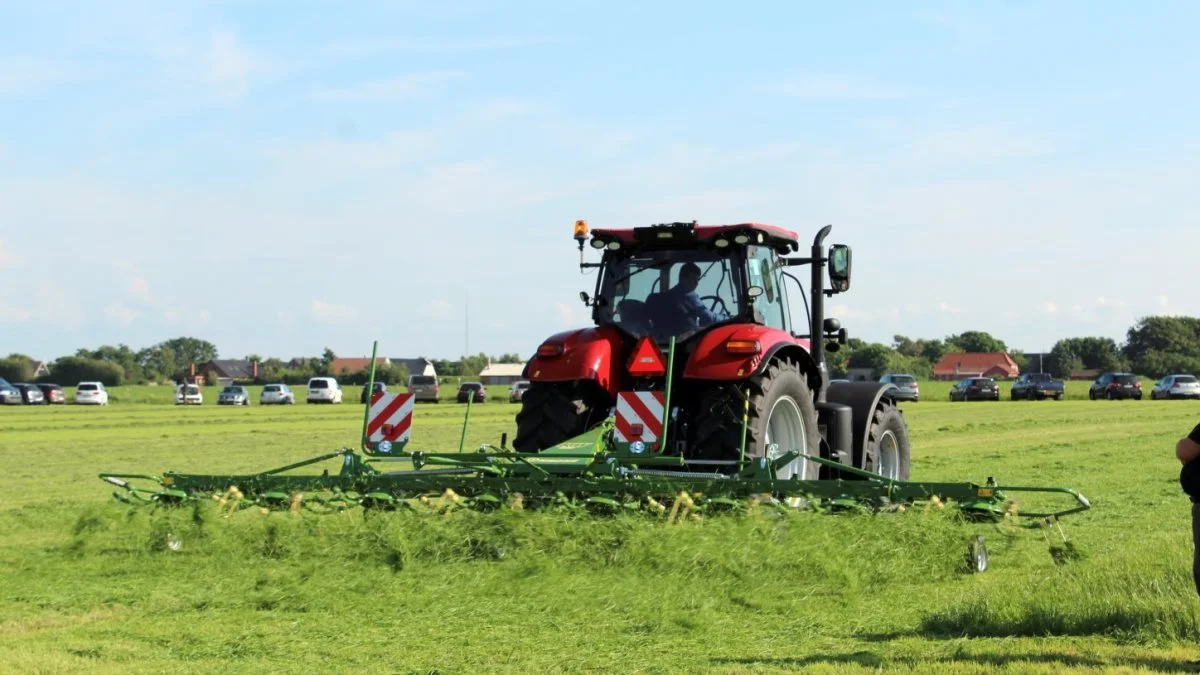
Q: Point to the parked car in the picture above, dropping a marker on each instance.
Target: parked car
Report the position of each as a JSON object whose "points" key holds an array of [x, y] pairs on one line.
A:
{"points": [[188, 394], [976, 389], [1116, 385], [906, 386], [424, 388], [30, 394], [91, 393], [277, 393], [1176, 386], [234, 394], [467, 388], [1038, 386], [8, 393], [53, 393], [518, 390], [380, 388], [324, 390]]}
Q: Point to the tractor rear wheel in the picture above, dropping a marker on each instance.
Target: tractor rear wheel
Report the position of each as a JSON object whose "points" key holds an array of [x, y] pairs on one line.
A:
{"points": [[782, 412], [553, 412], [887, 452]]}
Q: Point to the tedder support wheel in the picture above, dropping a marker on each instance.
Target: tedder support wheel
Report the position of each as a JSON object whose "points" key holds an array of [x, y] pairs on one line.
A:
{"points": [[553, 412], [782, 412], [887, 451]]}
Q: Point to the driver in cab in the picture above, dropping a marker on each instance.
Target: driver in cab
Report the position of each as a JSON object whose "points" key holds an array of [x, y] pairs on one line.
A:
{"points": [[686, 310]]}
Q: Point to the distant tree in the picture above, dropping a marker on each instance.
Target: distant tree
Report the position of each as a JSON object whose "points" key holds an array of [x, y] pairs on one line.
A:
{"points": [[327, 359], [71, 370], [1162, 345], [875, 356], [121, 355], [254, 358], [1099, 353], [16, 369], [975, 341], [1018, 357]]}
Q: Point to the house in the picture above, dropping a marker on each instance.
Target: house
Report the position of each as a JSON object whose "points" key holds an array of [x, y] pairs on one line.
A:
{"points": [[960, 365], [417, 366], [502, 373], [1087, 374], [227, 371], [347, 365], [40, 369]]}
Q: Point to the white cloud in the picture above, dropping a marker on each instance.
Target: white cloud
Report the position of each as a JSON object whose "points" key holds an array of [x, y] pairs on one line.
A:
{"points": [[1103, 301], [946, 308], [329, 312], [847, 312], [8, 259], [396, 148], [121, 314], [836, 86], [1163, 301], [229, 66], [566, 312], [13, 314], [439, 309], [981, 142], [371, 47], [1049, 307], [24, 74], [138, 287], [417, 85]]}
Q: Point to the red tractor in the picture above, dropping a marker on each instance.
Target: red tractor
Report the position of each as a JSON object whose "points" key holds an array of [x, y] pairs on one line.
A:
{"points": [[719, 292]]}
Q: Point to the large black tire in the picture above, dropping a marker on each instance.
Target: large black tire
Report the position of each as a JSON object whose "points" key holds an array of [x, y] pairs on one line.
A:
{"points": [[888, 436], [555, 412], [717, 431]]}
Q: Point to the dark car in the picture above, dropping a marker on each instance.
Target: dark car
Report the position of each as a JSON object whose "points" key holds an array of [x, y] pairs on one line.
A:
{"points": [[380, 388], [54, 393], [1038, 386], [30, 394], [9, 394], [1116, 385], [906, 387], [467, 388], [976, 389]]}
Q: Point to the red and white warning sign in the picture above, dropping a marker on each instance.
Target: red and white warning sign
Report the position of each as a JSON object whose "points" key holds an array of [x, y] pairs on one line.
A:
{"points": [[639, 416], [390, 418]]}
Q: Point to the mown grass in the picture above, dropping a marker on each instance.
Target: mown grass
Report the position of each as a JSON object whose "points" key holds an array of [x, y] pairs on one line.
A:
{"points": [[91, 586]]}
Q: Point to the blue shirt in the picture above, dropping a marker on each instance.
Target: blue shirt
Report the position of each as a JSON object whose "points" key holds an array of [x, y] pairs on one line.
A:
{"points": [[685, 308]]}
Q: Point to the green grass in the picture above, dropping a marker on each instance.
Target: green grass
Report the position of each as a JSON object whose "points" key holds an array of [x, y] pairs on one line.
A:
{"points": [[89, 586]]}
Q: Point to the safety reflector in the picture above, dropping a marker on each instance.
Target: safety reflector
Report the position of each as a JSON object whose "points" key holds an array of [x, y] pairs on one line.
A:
{"points": [[647, 360]]}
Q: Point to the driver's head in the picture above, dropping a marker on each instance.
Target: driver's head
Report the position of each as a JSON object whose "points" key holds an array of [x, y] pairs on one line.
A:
{"points": [[689, 276]]}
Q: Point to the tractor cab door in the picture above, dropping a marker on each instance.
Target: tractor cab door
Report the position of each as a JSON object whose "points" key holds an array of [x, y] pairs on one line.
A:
{"points": [[765, 271]]}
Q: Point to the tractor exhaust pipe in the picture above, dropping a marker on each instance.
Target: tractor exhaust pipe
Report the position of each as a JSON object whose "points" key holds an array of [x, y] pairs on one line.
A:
{"points": [[817, 290]]}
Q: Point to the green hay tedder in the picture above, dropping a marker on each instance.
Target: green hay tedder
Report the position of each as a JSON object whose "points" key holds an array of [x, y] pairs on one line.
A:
{"points": [[681, 401]]}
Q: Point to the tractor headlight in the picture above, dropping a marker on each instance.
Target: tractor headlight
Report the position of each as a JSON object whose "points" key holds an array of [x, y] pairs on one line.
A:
{"points": [[597, 243], [637, 447], [721, 243], [742, 239], [614, 245], [384, 446]]}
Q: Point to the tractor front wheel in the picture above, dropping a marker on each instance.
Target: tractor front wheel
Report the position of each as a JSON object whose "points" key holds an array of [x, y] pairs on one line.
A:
{"points": [[782, 413], [552, 413]]}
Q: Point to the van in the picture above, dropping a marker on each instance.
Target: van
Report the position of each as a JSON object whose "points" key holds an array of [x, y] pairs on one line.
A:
{"points": [[324, 390], [424, 388]]}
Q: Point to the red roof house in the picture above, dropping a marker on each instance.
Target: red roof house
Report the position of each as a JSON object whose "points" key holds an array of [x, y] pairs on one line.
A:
{"points": [[959, 365], [346, 366]]}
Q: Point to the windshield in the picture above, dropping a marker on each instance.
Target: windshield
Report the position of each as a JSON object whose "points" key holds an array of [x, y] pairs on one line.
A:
{"points": [[1185, 379], [271, 388], [82, 387], [233, 390], [645, 295], [422, 379], [471, 385], [318, 384], [903, 379], [1125, 379]]}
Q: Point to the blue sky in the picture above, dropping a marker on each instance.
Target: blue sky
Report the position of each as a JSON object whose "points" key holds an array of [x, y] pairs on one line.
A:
{"points": [[282, 177]]}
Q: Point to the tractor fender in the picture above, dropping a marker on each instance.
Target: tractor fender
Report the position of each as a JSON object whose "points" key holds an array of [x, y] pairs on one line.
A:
{"points": [[710, 360], [863, 398], [587, 354]]}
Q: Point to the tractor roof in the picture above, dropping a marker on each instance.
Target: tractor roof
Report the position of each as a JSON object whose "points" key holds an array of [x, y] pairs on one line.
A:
{"points": [[674, 235]]}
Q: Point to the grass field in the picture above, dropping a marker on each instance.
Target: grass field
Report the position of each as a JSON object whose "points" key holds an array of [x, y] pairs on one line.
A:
{"points": [[88, 586]]}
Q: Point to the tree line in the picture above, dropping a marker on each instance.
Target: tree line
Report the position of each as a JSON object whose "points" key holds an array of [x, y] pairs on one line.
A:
{"points": [[172, 360], [1153, 347]]}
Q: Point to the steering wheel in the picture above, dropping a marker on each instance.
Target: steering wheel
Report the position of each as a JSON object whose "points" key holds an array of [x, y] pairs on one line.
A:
{"points": [[716, 299]]}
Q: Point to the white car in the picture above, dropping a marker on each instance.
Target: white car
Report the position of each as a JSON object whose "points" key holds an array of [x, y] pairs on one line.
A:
{"points": [[188, 394], [276, 393], [91, 393], [324, 390]]}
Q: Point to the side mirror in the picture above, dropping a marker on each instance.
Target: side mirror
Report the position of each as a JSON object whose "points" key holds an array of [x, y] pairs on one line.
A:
{"points": [[754, 291], [839, 268], [584, 297]]}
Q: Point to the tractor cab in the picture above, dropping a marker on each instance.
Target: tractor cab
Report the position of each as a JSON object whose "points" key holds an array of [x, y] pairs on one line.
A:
{"points": [[679, 280]]}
